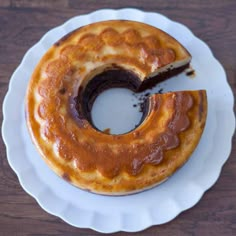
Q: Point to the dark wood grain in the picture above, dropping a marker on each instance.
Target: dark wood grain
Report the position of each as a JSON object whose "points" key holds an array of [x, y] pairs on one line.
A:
{"points": [[24, 22]]}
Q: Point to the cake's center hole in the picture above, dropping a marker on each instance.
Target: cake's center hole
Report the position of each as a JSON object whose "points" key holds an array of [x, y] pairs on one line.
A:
{"points": [[109, 102], [115, 111]]}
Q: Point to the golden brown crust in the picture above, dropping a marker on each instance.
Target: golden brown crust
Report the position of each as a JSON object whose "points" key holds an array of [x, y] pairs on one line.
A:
{"points": [[112, 164]]}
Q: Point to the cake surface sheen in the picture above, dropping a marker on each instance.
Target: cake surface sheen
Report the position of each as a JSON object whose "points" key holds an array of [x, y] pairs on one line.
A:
{"points": [[61, 92]]}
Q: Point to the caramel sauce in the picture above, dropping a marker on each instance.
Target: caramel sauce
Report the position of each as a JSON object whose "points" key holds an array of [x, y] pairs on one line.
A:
{"points": [[74, 137]]}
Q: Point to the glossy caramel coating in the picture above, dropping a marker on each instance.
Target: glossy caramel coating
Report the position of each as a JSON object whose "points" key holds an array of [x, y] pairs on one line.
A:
{"points": [[96, 161]]}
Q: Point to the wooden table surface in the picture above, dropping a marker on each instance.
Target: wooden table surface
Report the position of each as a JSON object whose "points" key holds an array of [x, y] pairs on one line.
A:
{"points": [[24, 22]]}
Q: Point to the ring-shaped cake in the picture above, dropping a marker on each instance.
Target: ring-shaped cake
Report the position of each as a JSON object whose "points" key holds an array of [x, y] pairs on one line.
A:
{"points": [[81, 65]]}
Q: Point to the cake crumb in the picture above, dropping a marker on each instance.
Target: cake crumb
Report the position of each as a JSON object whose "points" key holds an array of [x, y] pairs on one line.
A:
{"points": [[190, 72], [107, 131]]}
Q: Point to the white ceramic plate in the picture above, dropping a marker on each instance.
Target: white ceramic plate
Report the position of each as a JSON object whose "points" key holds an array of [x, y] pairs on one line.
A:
{"points": [[135, 212]]}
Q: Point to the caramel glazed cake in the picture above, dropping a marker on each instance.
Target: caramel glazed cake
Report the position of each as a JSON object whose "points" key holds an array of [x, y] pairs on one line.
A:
{"points": [[81, 65]]}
